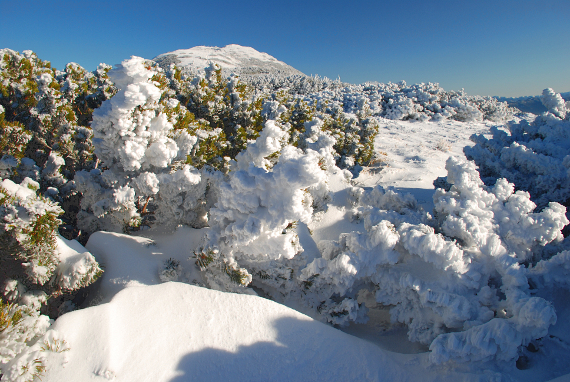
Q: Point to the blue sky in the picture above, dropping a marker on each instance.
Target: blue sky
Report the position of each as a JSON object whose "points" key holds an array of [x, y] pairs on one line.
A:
{"points": [[499, 47]]}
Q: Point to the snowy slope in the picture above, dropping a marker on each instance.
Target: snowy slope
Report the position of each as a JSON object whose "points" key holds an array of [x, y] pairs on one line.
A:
{"points": [[238, 59]]}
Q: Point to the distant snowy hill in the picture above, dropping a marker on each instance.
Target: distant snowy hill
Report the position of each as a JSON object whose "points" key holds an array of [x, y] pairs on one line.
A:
{"points": [[241, 60]]}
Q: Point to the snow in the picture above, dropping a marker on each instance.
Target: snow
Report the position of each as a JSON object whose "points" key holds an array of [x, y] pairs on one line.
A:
{"points": [[218, 337], [462, 290], [231, 58], [193, 333]]}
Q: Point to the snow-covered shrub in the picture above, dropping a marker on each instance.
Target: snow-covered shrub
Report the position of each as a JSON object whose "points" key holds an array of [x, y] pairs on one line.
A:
{"points": [[393, 101], [105, 205], [13, 137], [37, 267], [44, 122], [224, 109], [354, 133], [253, 223], [28, 233], [233, 114], [497, 228], [535, 156], [30, 243], [459, 281], [52, 106], [144, 140], [20, 328]]}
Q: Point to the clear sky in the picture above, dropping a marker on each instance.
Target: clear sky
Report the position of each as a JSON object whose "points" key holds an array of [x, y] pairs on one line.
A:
{"points": [[498, 47]]}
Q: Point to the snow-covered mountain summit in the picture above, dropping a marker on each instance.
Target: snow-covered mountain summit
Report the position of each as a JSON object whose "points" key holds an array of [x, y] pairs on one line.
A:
{"points": [[241, 60]]}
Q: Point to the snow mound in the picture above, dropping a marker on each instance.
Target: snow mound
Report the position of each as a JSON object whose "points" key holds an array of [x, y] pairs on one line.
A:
{"points": [[241, 60], [218, 337]]}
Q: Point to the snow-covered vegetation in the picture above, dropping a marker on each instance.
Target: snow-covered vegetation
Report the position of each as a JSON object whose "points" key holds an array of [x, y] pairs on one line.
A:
{"points": [[38, 267], [254, 167], [534, 155]]}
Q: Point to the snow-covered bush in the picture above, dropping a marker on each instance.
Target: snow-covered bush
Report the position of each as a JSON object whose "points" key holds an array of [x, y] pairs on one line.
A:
{"points": [[459, 281], [37, 267], [224, 104], [498, 230], [30, 244], [535, 155], [21, 327], [238, 112], [44, 123], [13, 136], [143, 140], [268, 193], [52, 106], [393, 101]]}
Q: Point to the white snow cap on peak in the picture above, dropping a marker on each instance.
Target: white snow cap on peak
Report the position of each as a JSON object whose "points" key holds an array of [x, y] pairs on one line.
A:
{"points": [[234, 58]]}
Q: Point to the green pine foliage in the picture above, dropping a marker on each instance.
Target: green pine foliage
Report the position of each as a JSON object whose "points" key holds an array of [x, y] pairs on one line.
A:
{"points": [[354, 136], [54, 108], [226, 113], [13, 138], [223, 112]]}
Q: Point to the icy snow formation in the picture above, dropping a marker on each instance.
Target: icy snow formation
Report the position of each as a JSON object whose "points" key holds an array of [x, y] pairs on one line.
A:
{"points": [[262, 199], [469, 277]]}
